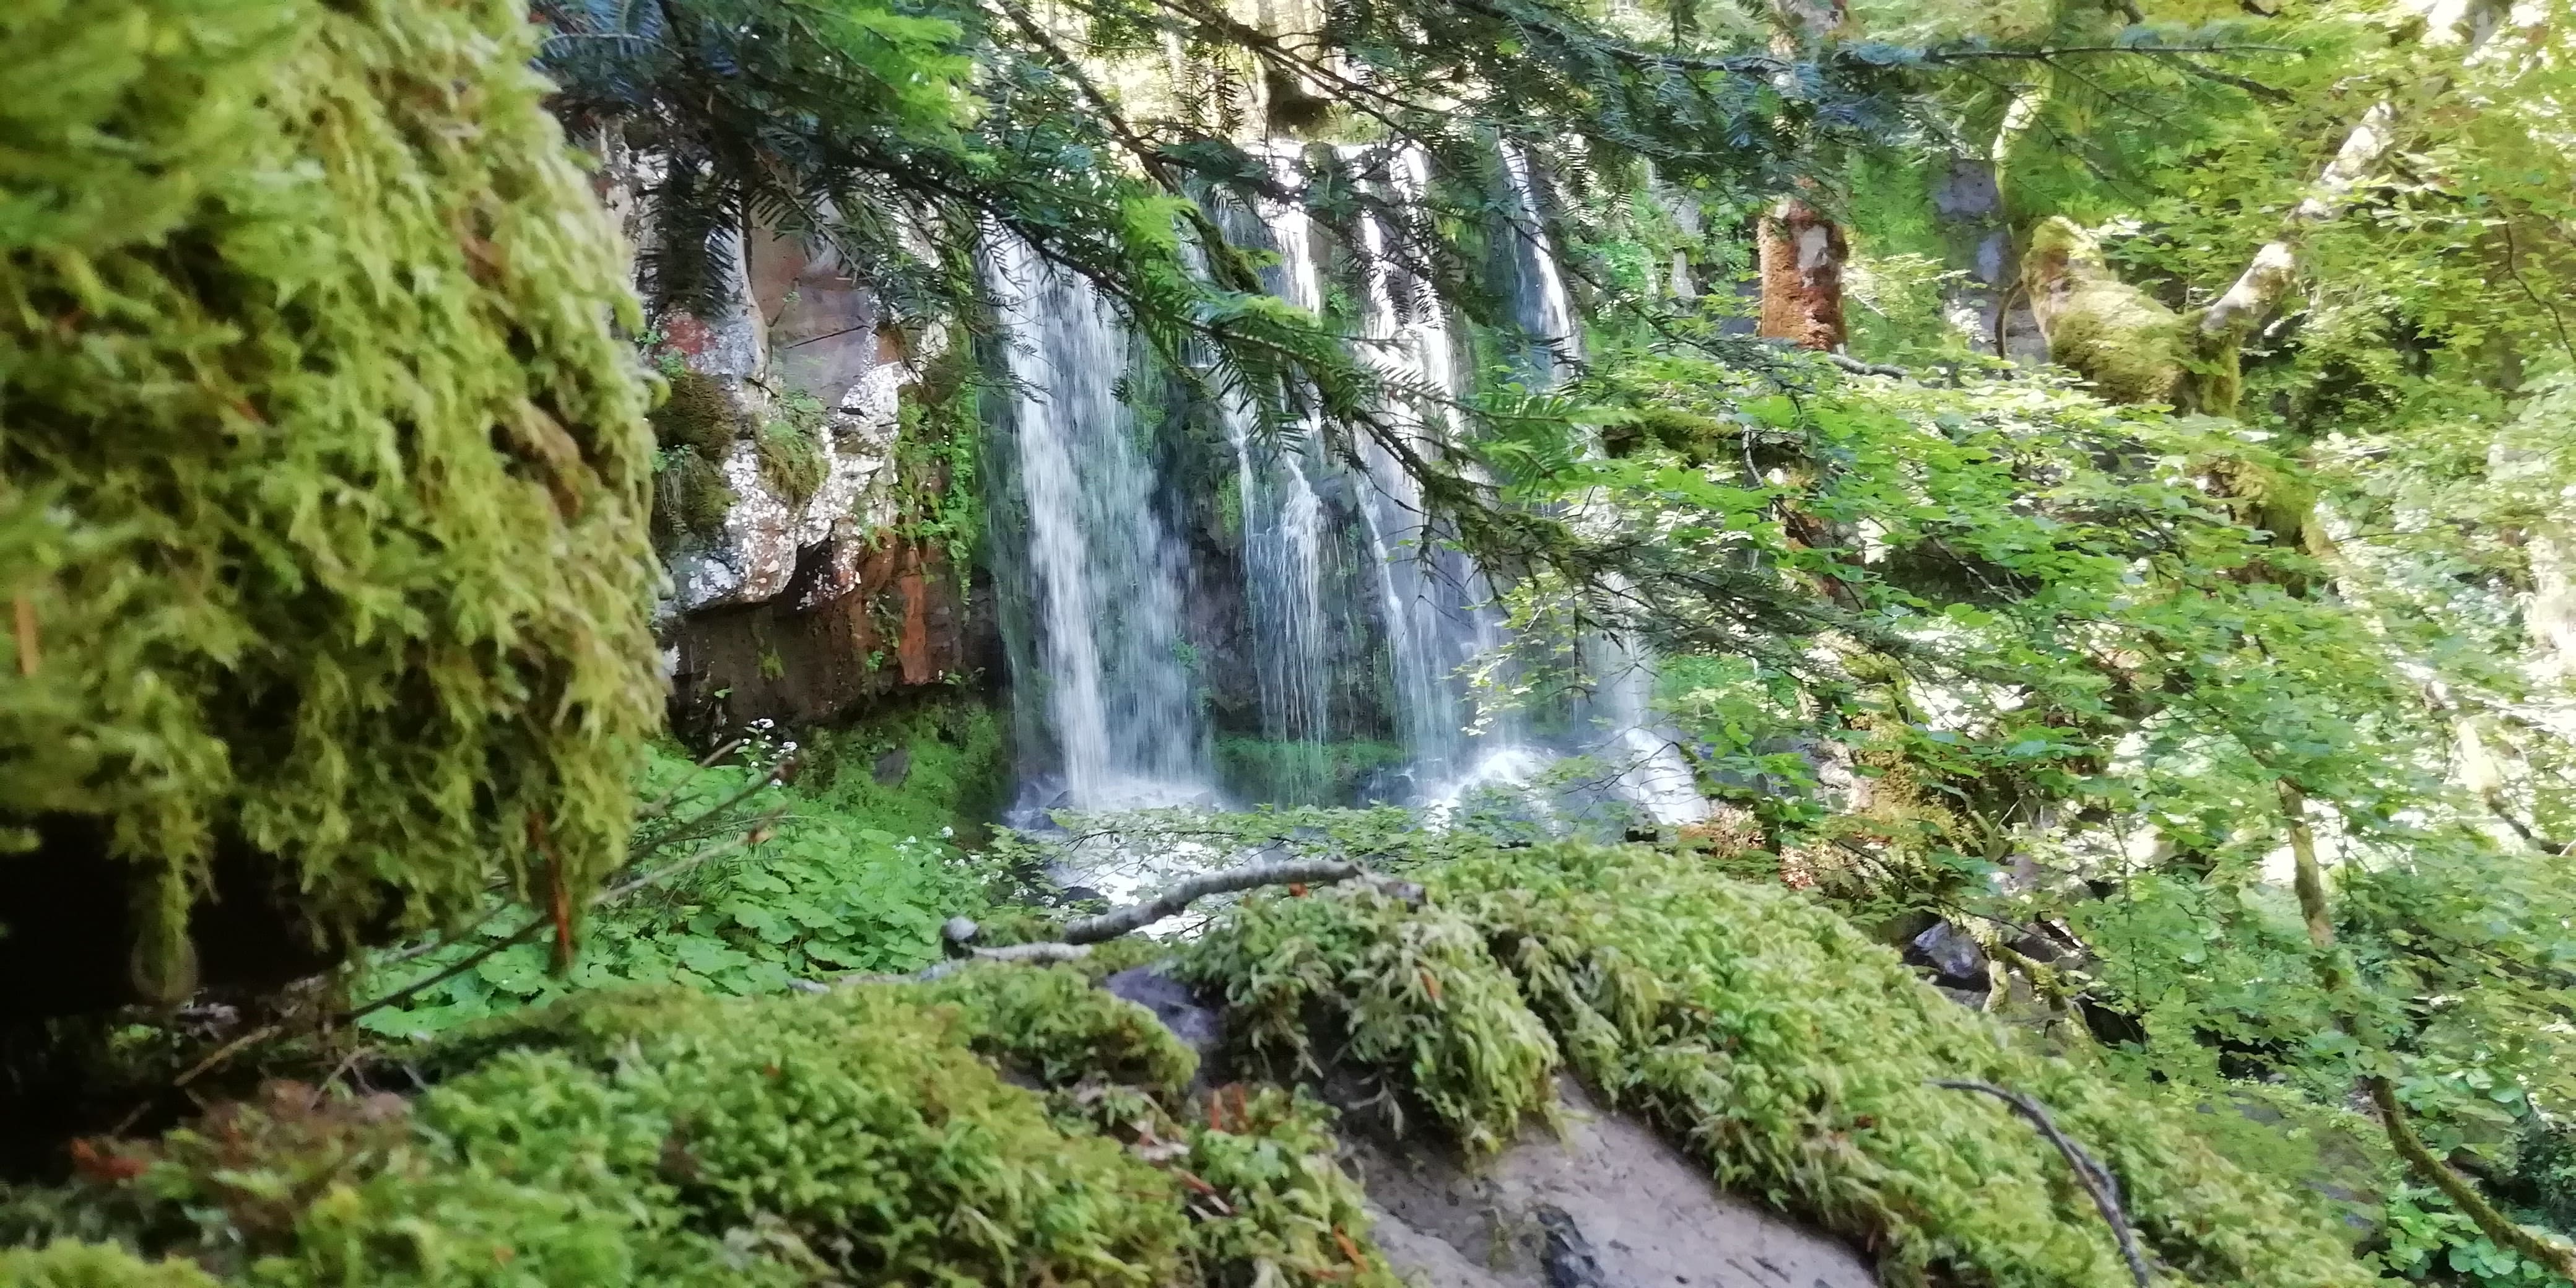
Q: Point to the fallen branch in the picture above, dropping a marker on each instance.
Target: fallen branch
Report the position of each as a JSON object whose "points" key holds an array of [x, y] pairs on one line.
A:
{"points": [[2096, 1179], [2506, 1232], [1044, 952], [1171, 902], [1175, 899]]}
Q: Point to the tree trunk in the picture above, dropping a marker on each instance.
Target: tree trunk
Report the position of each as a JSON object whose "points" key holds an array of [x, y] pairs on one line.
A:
{"points": [[1802, 251], [1802, 277], [2265, 281]]}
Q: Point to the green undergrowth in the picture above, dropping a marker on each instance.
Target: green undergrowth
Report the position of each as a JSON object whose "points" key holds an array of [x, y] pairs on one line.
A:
{"points": [[854, 874], [959, 1133], [1790, 1053], [1018, 1124], [925, 769]]}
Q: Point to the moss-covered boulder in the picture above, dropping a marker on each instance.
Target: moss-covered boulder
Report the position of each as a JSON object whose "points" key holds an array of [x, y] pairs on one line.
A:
{"points": [[2128, 343], [1796, 1059], [323, 476]]}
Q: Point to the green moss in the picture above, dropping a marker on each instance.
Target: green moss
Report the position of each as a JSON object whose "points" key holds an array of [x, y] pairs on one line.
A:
{"points": [[2133, 348], [1792, 1054], [790, 449], [2122, 339], [69, 1263], [1055, 1025], [324, 484], [1693, 437], [1409, 992], [665, 1138], [1292, 1214], [698, 414], [690, 500], [950, 776]]}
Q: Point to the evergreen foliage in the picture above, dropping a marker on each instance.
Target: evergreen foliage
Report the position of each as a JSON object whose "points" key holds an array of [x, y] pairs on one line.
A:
{"points": [[322, 466]]}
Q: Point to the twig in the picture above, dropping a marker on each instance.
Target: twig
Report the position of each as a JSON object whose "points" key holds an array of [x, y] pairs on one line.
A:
{"points": [[757, 832], [1081, 935], [1860, 368], [2097, 1179], [705, 762]]}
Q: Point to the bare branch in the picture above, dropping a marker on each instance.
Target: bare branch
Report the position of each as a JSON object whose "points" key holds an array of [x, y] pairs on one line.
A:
{"points": [[2089, 1171], [1176, 899]]}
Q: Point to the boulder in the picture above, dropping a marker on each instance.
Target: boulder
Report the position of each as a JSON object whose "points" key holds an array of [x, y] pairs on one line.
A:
{"points": [[1605, 1203]]}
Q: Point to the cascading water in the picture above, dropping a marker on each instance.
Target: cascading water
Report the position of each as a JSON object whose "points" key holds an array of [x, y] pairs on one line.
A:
{"points": [[1435, 604], [1109, 709], [1645, 765], [1102, 628], [1286, 545]]}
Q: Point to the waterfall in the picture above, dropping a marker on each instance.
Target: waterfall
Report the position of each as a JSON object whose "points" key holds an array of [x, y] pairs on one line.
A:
{"points": [[1104, 576], [1434, 603], [1285, 541], [1099, 576], [1540, 306], [1648, 769]]}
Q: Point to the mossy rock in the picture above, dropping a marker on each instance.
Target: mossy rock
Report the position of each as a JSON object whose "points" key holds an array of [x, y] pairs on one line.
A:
{"points": [[690, 500], [699, 414], [2132, 347], [324, 486], [792, 460], [1794, 1057], [663, 1137], [2119, 337]]}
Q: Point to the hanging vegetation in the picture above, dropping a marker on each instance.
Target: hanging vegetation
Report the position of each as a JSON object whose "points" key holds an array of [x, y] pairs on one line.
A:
{"points": [[322, 476]]}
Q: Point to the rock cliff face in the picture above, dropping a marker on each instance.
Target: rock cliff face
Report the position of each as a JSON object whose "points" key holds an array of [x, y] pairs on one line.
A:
{"points": [[807, 599]]}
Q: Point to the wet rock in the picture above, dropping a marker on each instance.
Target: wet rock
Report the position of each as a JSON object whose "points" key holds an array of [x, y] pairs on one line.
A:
{"points": [[1568, 1260], [893, 767], [1951, 952], [1609, 1204], [1176, 1004]]}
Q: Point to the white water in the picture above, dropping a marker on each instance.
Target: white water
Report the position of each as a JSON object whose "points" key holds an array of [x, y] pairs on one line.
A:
{"points": [[1434, 603], [1104, 576], [1106, 580], [1285, 542]]}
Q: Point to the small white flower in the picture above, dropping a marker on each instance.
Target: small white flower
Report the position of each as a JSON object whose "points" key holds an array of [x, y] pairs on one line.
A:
{"points": [[946, 832]]}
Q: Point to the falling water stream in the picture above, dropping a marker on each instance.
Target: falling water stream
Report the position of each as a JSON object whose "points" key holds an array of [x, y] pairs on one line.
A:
{"points": [[1105, 575], [1111, 712]]}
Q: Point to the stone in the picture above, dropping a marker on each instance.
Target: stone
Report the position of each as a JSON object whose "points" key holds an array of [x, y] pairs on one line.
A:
{"points": [[1200, 1028], [1952, 952], [892, 768], [1607, 1204]]}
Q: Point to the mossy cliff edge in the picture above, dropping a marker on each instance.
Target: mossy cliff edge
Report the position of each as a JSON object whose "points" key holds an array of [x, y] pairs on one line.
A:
{"points": [[323, 480], [1017, 1124]]}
